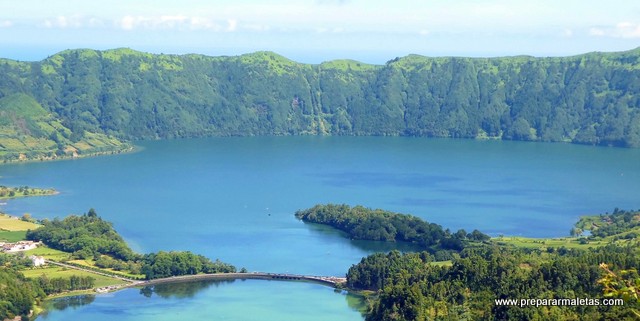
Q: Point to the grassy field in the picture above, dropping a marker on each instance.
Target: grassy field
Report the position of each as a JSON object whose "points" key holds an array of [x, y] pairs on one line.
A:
{"points": [[61, 272], [91, 263], [622, 229], [9, 223], [442, 263], [53, 271], [49, 253], [542, 243], [568, 242], [12, 236]]}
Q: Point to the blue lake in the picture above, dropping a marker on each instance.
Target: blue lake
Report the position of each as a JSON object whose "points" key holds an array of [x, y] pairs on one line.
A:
{"points": [[234, 198], [238, 300]]}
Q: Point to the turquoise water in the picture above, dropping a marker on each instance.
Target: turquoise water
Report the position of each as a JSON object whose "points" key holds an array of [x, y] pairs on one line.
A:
{"points": [[234, 198], [238, 300]]}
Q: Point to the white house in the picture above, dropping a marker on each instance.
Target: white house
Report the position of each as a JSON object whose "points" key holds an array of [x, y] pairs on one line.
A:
{"points": [[37, 260]]}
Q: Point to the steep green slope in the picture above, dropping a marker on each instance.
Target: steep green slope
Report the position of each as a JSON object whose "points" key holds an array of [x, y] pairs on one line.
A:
{"points": [[28, 131], [588, 99]]}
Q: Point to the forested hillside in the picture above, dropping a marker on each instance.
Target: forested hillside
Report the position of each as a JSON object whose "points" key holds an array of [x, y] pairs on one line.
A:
{"points": [[589, 99], [473, 287]]}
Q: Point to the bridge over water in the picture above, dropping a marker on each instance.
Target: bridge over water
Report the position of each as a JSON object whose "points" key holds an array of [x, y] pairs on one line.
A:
{"points": [[332, 281]]}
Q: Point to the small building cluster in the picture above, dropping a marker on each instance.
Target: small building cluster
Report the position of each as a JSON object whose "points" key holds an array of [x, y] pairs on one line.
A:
{"points": [[110, 288], [18, 246]]}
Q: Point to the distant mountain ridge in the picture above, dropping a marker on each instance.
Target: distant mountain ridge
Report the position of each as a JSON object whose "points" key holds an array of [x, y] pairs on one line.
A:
{"points": [[588, 99]]}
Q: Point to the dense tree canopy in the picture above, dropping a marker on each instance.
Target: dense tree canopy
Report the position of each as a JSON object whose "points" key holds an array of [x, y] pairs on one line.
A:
{"points": [[58, 285], [86, 236], [17, 294], [410, 288], [379, 225], [588, 99], [166, 264]]}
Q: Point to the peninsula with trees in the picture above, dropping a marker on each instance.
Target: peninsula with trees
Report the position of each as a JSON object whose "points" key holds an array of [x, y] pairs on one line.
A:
{"points": [[23, 191], [99, 253], [480, 272], [363, 223]]}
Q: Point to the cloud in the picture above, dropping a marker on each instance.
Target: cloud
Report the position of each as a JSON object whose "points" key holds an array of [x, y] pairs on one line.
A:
{"points": [[329, 30], [256, 27], [128, 22], [159, 22], [95, 23], [6, 24], [331, 2], [171, 22], [232, 25], [72, 21], [319, 16], [200, 23], [58, 22], [187, 23], [625, 29], [628, 30], [598, 32]]}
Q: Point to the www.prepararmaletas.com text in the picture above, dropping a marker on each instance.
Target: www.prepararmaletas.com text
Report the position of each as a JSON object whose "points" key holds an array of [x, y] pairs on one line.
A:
{"points": [[559, 302]]}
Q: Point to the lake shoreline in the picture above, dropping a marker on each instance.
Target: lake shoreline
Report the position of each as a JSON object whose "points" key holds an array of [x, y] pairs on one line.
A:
{"points": [[128, 150]]}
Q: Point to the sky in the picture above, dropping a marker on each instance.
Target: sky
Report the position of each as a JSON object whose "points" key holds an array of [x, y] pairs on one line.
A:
{"points": [[312, 31]]}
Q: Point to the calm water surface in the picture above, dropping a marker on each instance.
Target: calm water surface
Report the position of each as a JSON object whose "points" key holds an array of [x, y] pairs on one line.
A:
{"points": [[238, 300], [234, 198]]}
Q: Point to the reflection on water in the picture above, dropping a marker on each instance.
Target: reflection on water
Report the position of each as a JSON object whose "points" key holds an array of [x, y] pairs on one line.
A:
{"points": [[181, 290], [367, 246], [226, 300], [189, 289], [356, 302], [73, 302]]}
